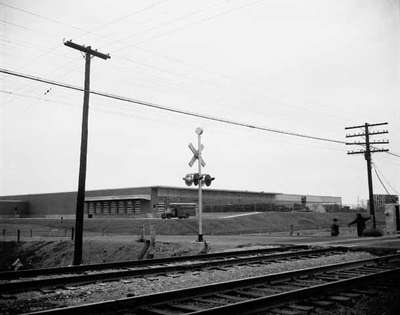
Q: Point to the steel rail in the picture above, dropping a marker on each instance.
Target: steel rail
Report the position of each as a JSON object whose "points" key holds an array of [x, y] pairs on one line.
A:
{"points": [[6, 275], [134, 303], [26, 285], [263, 303]]}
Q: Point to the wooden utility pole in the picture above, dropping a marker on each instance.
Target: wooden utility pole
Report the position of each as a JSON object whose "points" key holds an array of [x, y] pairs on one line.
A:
{"points": [[80, 200], [367, 154]]}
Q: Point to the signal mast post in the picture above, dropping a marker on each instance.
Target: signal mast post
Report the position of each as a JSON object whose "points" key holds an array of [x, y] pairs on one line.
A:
{"points": [[199, 131], [198, 178]]}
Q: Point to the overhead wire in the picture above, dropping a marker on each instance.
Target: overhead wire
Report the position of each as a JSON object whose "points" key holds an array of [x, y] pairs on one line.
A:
{"points": [[152, 66], [148, 104], [41, 16], [394, 199], [73, 26], [376, 171], [116, 20], [247, 4], [166, 108], [169, 109], [161, 26], [167, 71]]}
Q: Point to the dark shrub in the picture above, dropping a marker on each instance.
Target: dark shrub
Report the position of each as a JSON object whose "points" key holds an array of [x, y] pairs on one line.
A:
{"points": [[372, 232]]}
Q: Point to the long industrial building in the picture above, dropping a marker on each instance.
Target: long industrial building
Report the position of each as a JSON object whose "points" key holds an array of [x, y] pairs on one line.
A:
{"points": [[150, 201]]}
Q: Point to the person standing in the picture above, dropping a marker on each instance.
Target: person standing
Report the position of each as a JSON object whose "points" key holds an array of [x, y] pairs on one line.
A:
{"points": [[360, 221], [334, 228]]}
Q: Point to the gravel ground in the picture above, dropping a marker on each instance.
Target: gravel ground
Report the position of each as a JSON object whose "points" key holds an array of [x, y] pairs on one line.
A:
{"points": [[37, 300], [384, 303]]}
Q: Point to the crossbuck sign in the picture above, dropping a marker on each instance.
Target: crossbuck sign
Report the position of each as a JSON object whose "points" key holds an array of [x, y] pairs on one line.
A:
{"points": [[196, 155]]}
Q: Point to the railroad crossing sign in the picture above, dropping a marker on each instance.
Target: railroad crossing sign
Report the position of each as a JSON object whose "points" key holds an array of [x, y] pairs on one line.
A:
{"points": [[196, 155]]}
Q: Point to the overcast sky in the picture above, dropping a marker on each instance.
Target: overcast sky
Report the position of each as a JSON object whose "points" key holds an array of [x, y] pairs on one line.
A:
{"points": [[311, 67]]}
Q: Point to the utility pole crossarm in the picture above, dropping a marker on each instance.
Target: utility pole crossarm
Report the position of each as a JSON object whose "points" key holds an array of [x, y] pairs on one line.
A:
{"points": [[372, 133], [379, 150], [363, 126], [371, 151], [87, 49], [364, 143], [356, 152]]}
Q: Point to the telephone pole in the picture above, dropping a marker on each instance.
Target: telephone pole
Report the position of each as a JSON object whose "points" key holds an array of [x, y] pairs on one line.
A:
{"points": [[80, 200], [367, 154]]}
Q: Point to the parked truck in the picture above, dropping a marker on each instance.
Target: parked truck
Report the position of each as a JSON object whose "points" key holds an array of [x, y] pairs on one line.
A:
{"points": [[180, 210]]}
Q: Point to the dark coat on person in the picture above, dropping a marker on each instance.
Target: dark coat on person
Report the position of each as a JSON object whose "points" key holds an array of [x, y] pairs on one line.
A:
{"points": [[360, 221]]}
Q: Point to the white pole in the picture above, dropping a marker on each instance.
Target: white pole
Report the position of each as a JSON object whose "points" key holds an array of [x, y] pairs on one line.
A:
{"points": [[200, 192], [199, 131]]}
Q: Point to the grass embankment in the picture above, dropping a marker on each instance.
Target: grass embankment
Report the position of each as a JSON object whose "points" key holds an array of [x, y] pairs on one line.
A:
{"points": [[266, 222], [41, 254], [58, 251]]}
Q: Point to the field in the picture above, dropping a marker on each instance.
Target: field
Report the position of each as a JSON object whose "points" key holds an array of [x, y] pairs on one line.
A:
{"points": [[47, 242], [213, 224]]}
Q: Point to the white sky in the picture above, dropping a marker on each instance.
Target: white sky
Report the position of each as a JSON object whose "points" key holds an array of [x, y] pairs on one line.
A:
{"points": [[312, 67]]}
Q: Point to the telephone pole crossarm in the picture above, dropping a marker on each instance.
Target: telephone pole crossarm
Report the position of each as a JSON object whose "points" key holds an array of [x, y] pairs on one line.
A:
{"points": [[87, 49], [364, 143]]}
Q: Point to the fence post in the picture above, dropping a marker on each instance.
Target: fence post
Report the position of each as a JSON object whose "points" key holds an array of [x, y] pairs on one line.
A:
{"points": [[4, 233], [152, 235], [72, 234], [18, 236], [31, 233], [142, 232]]}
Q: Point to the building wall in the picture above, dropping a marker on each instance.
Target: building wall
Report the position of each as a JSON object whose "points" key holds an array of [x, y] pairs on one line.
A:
{"points": [[211, 197], [292, 198], [48, 204], [64, 204]]}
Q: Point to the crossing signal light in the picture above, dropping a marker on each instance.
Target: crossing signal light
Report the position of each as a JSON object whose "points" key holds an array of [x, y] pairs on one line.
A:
{"points": [[188, 179], [196, 178], [208, 179]]}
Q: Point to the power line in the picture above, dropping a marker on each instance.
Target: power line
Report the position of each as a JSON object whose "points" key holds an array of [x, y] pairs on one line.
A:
{"points": [[394, 199], [161, 26], [174, 110], [123, 111], [169, 109], [205, 19], [44, 17], [152, 67], [376, 170], [394, 154]]}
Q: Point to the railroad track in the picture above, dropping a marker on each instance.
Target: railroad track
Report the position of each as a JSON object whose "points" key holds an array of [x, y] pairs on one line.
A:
{"points": [[293, 292], [9, 282], [8, 275]]}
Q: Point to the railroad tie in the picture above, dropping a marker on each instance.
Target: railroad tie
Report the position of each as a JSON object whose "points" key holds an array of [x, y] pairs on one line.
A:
{"points": [[186, 307], [340, 298], [230, 297], [157, 310], [208, 300], [300, 307], [351, 294], [285, 311], [321, 303]]}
